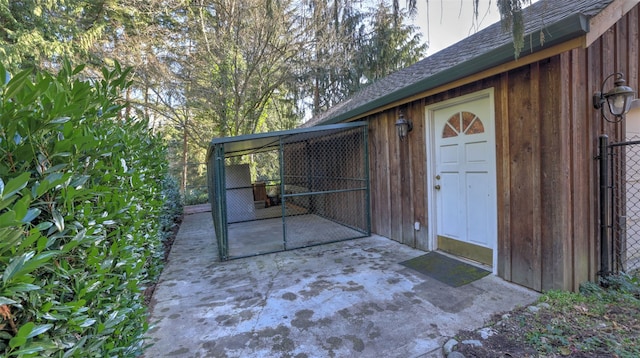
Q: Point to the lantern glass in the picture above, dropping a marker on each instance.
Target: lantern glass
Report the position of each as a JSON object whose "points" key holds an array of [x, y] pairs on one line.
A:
{"points": [[403, 126], [619, 103], [619, 98], [402, 129]]}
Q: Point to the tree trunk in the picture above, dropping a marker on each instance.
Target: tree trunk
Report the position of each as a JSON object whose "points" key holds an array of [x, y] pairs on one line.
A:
{"points": [[185, 158]]}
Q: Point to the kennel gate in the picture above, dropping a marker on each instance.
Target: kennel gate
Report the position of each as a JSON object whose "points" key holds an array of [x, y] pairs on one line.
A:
{"points": [[277, 191]]}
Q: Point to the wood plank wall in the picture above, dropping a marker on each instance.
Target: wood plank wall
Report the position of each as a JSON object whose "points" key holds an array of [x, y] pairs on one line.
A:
{"points": [[398, 177], [546, 144], [399, 170]]}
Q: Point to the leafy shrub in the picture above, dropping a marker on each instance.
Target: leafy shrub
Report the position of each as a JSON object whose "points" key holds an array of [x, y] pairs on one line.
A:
{"points": [[82, 195], [196, 197]]}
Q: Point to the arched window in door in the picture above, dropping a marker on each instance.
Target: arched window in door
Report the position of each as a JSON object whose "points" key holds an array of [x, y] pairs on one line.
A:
{"points": [[462, 123]]}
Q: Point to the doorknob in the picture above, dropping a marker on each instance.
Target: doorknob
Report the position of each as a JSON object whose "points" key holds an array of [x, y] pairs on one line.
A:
{"points": [[437, 187], [438, 176]]}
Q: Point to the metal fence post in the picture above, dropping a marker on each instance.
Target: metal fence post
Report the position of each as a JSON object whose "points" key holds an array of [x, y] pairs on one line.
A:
{"points": [[604, 205], [367, 201], [283, 199]]}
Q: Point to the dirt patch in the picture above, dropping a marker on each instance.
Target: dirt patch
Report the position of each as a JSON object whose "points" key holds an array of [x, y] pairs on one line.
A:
{"points": [[567, 325]]}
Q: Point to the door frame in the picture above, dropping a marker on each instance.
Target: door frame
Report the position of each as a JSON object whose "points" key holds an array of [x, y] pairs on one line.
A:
{"points": [[431, 165]]}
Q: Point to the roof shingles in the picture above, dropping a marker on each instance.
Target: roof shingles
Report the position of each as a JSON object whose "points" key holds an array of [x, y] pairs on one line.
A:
{"points": [[538, 17]]}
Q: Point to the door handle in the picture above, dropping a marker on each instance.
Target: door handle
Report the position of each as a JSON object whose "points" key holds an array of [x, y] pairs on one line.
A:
{"points": [[437, 187]]}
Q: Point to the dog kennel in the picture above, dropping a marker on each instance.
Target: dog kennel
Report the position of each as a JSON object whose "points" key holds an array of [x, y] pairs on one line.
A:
{"points": [[277, 191]]}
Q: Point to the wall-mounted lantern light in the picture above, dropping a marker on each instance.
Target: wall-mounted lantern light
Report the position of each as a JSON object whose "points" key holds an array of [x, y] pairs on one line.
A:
{"points": [[404, 126], [618, 99]]}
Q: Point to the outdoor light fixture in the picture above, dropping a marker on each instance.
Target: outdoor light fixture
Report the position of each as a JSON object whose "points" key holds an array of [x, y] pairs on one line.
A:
{"points": [[404, 126], [618, 99]]}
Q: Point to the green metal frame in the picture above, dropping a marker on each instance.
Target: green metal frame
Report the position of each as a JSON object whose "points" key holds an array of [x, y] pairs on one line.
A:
{"points": [[282, 197], [219, 202], [368, 190]]}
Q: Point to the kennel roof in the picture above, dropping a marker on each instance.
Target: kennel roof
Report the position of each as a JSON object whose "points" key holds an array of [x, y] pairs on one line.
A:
{"points": [[261, 142]]}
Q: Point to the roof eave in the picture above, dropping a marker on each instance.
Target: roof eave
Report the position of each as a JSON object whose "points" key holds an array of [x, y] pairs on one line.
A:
{"points": [[566, 29]]}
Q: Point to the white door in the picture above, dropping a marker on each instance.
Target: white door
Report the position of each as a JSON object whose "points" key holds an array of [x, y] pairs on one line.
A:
{"points": [[464, 176]]}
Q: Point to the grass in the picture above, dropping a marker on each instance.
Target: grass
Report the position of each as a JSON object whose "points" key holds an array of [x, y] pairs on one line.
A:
{"points": [[598, 321]]}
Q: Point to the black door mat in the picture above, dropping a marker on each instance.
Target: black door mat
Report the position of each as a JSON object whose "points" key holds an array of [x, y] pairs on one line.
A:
{"points": [[445, 269]]}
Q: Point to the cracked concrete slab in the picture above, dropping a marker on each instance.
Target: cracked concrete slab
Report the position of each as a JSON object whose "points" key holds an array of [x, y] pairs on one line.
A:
{"points": [[346, 299]]}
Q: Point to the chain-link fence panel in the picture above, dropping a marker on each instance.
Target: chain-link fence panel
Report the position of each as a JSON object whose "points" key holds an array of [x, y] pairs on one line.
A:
{"points": [[326, 176], [290, 189], [625, 202]]}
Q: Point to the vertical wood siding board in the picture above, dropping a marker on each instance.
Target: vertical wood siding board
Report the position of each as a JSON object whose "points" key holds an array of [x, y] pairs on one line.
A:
{"points": [[621, 39], [418, 175], [593, 58], [634, 51], [536, 150], [598, 74], [394, 177], [374, 159], [378, 191], [566, 239], [633, 44], [414, 180], [381, 193], [520, 148], [590, 225], [566, 115], [580, 164], [386, 176], [503, 179], [375, 185], [382, 196], [406, 188], [418, 163], [594, 63], [590, 165], [420, 166], [409, 203], [578, 250], [622, 59], [550, 159], [406, 197], [609, 66], [570, 129]]}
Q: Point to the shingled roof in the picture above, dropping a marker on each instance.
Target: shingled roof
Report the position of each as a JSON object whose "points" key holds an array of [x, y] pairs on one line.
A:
{"points": [[558, 20]]}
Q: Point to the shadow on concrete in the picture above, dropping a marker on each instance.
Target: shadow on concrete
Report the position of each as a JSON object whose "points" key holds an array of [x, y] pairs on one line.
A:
{"points": [[346, 299]]}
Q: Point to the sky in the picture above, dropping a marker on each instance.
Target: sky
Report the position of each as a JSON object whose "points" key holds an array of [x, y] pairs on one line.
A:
{"points": [[445, 22]]}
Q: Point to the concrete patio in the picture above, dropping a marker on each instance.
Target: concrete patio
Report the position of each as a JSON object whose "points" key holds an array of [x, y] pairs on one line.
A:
{"points": [[346, 299]]}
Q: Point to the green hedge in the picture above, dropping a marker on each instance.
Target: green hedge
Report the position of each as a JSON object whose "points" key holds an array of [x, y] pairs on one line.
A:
{"points": [[85, 204]]}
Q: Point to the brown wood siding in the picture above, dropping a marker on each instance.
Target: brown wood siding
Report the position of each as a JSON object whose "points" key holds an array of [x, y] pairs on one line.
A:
{"points": [[379, 178], [417, 173], [524, 181], [547, 175], [555, 145], [581, 161], [503, 175]]}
